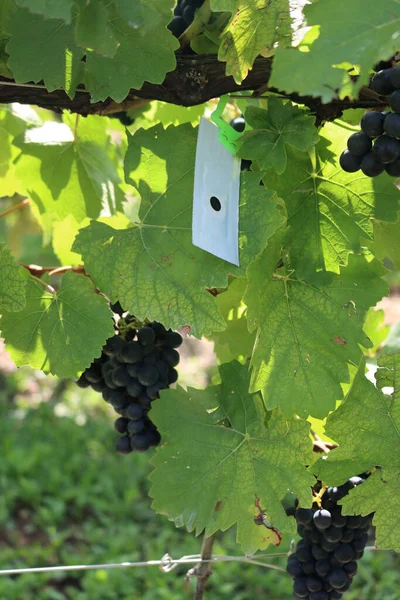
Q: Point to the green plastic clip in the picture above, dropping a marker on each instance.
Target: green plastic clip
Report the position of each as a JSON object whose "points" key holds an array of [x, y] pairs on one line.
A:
{"points": [[227, 135]]}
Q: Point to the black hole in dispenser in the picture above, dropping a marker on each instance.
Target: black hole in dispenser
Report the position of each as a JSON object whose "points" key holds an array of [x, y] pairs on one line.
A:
{"points": [[215, 203]]}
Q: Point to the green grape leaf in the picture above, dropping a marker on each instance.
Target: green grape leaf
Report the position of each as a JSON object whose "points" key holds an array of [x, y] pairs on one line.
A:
{"points": [[60, 333], [236, 342], [367, 428], [13, 280], [211, 475], [50, 9], [93, 28], [348, 35], [254, 28], [139, 58], [145, 15], [308, 331], [282, 124], [153, 268], [386, 242], [375, 330], [57, 61], [66, 174], [329, 211]]}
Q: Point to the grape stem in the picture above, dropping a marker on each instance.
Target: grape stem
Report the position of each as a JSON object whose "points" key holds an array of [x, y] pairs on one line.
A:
{"points": [[12, 209], [38, 271], [203, 570]]}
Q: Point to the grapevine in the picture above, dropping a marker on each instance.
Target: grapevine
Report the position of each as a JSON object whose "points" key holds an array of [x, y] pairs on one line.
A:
{"points": [[102, 170]]}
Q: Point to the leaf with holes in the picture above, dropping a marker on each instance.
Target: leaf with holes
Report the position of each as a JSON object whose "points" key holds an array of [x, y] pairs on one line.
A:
{"points": [[367, 428], [308, 331], [329, 211], [211, 474], [281, 125], [58, 333], [153, 268]]}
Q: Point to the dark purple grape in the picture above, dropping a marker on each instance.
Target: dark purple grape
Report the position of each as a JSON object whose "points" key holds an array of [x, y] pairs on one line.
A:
{"points": [[394, 76], [322, 519], [387, 149], [177, 26], [304, 515], [294, 567], [344, 553], [83, 382], [238, 124], [123, 445], [371, 166], [349, 162], [113, 346], [359, 144], [121, 424], [381, 82], [146, 335], [337, 578], [148, 375], [173, 339], [372, 123], [134, 412], [395, 101], [131, 352]]}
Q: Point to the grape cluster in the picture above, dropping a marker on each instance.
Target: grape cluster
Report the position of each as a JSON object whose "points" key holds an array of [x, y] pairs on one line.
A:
{"points": [[184, 13], [325, 560], [382, 154], [135, 364]]}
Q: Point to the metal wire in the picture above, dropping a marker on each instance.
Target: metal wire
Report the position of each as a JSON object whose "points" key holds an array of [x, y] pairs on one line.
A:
{"points": [[166, 564]]}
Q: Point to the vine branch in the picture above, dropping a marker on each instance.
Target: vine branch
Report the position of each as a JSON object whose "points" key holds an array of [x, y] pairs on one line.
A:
{"points": [[203, 570], [12, 209], [195, 80], [38, 271]]}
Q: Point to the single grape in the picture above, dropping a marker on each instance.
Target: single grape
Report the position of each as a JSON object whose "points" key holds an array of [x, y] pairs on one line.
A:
{"points": [[134, 412], [144, 401], [173, 339], [134, 388], [172, 375], [371, 165], [381, 82], [113, 346], [159, 330], [359, 143], [123, 445], [146, 336], [294, 567], [148, 375], [152, 357], [177, 11], [162, 368], [133, 369], [350, 568], [356, 480], [387, 149], [395, 101], [121, 424], [349, 162], [153, 436], [83, 382], [337, 578], [303, 551], [300, 587], [171, 356], [99, 386], [314, 584], [391, 124], [372, 123], [121, 377], [177, 26], [338, 520], [188, 14], [322, 567], [238, 124], [347, 535], [131, 352], [335, 595], [94, 373], [136, 426], [304, 515], [329, 546], [322, 519], [393, 169], [344, 553], [394, 77], [140, 442]]}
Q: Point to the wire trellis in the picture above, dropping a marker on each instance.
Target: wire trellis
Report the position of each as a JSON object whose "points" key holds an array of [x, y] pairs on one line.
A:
{"points": [[166, 563]]}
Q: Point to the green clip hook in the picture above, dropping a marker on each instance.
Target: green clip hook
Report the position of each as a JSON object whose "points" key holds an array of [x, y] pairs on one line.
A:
{"points": [[227, 135]]}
